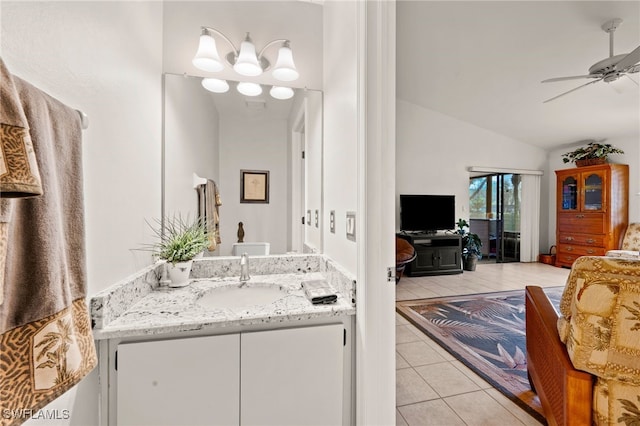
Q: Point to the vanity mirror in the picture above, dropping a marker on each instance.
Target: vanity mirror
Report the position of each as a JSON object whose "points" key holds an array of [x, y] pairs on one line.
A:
{"points": [[217, 135]]}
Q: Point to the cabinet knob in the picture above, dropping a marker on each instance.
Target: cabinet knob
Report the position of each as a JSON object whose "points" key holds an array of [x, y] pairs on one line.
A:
{"points": [[569, 239], [579, 216], [590, 241], [591, 251], [569, 248]]}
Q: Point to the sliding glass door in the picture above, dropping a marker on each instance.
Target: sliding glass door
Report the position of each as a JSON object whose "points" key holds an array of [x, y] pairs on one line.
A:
{"points": [[494, 210]]}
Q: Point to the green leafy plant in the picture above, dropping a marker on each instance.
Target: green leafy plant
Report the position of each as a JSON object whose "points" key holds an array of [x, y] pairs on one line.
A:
{"points": [[180, 240], [471, 243], [591, 151]]}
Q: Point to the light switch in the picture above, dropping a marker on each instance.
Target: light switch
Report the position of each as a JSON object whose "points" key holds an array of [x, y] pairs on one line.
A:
{"points": [[351, 226], [332, 221]]}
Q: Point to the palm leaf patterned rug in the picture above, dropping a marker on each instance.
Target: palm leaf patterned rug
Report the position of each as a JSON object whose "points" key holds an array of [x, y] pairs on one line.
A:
{"points": [[486, 332]]}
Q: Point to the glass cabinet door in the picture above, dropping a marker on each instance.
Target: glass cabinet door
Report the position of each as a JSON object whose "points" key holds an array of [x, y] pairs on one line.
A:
{"points": [[569, 200], [593, 191]]}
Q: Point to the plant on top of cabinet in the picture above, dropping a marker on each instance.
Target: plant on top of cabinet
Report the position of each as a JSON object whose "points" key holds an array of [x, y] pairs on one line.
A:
{"points": [[593, 153]]}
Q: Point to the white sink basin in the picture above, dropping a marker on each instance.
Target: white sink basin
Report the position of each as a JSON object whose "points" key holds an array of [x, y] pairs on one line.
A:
{"points": [[241, 296]]}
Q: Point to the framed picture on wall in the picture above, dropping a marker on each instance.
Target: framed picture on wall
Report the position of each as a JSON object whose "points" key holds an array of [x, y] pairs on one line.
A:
{"points": [[254, 186]]}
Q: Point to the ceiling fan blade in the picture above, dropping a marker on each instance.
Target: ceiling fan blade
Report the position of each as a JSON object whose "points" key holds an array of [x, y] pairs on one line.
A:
{"points": [[572, 90], [629, 60], [575, 77], [635, 82]]}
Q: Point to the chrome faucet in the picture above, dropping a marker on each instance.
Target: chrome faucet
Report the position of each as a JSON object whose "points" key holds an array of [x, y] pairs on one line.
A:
{"points": [[244, 268]]}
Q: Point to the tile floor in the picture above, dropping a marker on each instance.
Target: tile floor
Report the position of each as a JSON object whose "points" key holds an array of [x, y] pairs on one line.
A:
{"points": [[432, 387]]}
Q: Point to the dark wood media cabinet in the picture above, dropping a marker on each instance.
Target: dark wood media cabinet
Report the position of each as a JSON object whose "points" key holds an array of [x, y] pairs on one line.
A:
{"points": [[437, 254]]}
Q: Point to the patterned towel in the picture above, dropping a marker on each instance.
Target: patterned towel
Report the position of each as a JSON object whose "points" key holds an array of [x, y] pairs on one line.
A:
{"points": [[46, 343], [208, 205], [19, 174]]}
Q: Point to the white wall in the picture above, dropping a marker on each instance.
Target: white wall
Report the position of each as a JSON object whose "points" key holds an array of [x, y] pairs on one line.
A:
{"points": [[104, 58], [434, 152], [340, 84], [253, 143], [313, 170], [631, 156], [191, 143]]}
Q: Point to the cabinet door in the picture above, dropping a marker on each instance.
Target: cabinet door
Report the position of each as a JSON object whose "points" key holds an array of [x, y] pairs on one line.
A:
{"points": [[593, 190], [292, 376], [192, 381], [568, 191], [426, 259], [449, 258]]}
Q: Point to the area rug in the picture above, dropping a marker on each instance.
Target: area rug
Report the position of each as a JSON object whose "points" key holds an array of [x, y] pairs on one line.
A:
{"points": [[486, 332]]}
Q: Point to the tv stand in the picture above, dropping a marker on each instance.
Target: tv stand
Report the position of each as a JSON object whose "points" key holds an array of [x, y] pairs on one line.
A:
{"points": [[436, 253]]}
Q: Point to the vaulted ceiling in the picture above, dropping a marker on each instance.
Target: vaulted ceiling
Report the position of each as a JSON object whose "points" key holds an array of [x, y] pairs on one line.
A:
{"points": [[483, 63]]}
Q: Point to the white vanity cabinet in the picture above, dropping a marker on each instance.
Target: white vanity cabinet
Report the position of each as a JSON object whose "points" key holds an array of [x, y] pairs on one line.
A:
{"points": [[286, 376], [292, 376], [192, 381]]}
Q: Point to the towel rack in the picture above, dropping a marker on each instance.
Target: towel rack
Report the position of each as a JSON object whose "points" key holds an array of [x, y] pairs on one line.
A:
{"points": [[197, 180], [84, 119]]}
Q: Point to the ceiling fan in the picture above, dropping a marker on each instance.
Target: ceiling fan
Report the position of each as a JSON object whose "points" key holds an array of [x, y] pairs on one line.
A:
{"points": [[607, 70]]}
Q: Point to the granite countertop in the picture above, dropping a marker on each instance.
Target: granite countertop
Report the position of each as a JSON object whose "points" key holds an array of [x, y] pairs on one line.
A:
{"points": [[170, 310]]}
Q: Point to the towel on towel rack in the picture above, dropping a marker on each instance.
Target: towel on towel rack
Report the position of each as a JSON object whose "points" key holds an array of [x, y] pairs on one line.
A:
{"points": [[45, 329], [208, 203], [19, 174]]}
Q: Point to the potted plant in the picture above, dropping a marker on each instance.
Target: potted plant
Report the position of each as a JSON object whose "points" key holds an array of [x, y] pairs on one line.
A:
{"points": [[593, 153], [471, 245], [179, 242]]}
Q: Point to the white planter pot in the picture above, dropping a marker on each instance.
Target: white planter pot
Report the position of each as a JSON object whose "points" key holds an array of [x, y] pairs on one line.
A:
{"points": [[179, 273]]}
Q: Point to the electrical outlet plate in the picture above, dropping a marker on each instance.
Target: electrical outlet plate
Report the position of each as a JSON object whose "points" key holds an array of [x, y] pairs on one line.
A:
{"points": [[309, 217], [317, 219], [351, 226]]}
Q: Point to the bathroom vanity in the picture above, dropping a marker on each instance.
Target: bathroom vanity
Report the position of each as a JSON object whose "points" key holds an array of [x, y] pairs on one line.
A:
{"points": [[223, 352]]}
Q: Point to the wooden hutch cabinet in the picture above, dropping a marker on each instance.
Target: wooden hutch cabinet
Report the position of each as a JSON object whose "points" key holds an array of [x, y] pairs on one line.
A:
{"points": [[592, 210]]}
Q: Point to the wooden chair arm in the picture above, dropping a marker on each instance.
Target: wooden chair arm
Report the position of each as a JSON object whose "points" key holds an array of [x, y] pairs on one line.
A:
{"points": [[565, 393]]}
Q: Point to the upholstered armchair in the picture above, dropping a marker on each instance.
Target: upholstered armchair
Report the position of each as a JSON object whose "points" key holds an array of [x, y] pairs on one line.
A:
{"points": [[585, 364], [630, 243], [405, 253]]}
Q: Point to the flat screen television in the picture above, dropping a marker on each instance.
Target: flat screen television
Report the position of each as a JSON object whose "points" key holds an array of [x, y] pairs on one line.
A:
{"points": [[427, 213]]}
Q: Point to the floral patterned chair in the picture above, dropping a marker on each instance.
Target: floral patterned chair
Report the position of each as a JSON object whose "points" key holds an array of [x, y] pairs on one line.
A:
{"points": [[630, 243], [587, 370]]}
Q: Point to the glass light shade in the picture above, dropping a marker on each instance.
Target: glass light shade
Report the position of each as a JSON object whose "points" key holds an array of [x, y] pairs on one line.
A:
{"points": [[215, 85], [249, 89], [285, 69], [207, 58], [280, 92], [247, 61]]}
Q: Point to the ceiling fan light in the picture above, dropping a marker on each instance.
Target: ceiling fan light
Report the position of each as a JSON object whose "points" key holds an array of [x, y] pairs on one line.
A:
{"points": [[207, 58], [215, 85], [285, 69], [249, 89], [247, 61], [280, 92]]}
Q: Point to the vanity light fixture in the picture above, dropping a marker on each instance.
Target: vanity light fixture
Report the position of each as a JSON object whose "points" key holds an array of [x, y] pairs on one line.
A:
{"points": [[244, 61], [246, 88], [249, 89], [280, 92], [215, 85]]}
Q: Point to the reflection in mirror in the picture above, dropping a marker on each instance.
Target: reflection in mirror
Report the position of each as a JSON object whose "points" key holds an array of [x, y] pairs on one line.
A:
{"points": [[215, 136]]}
